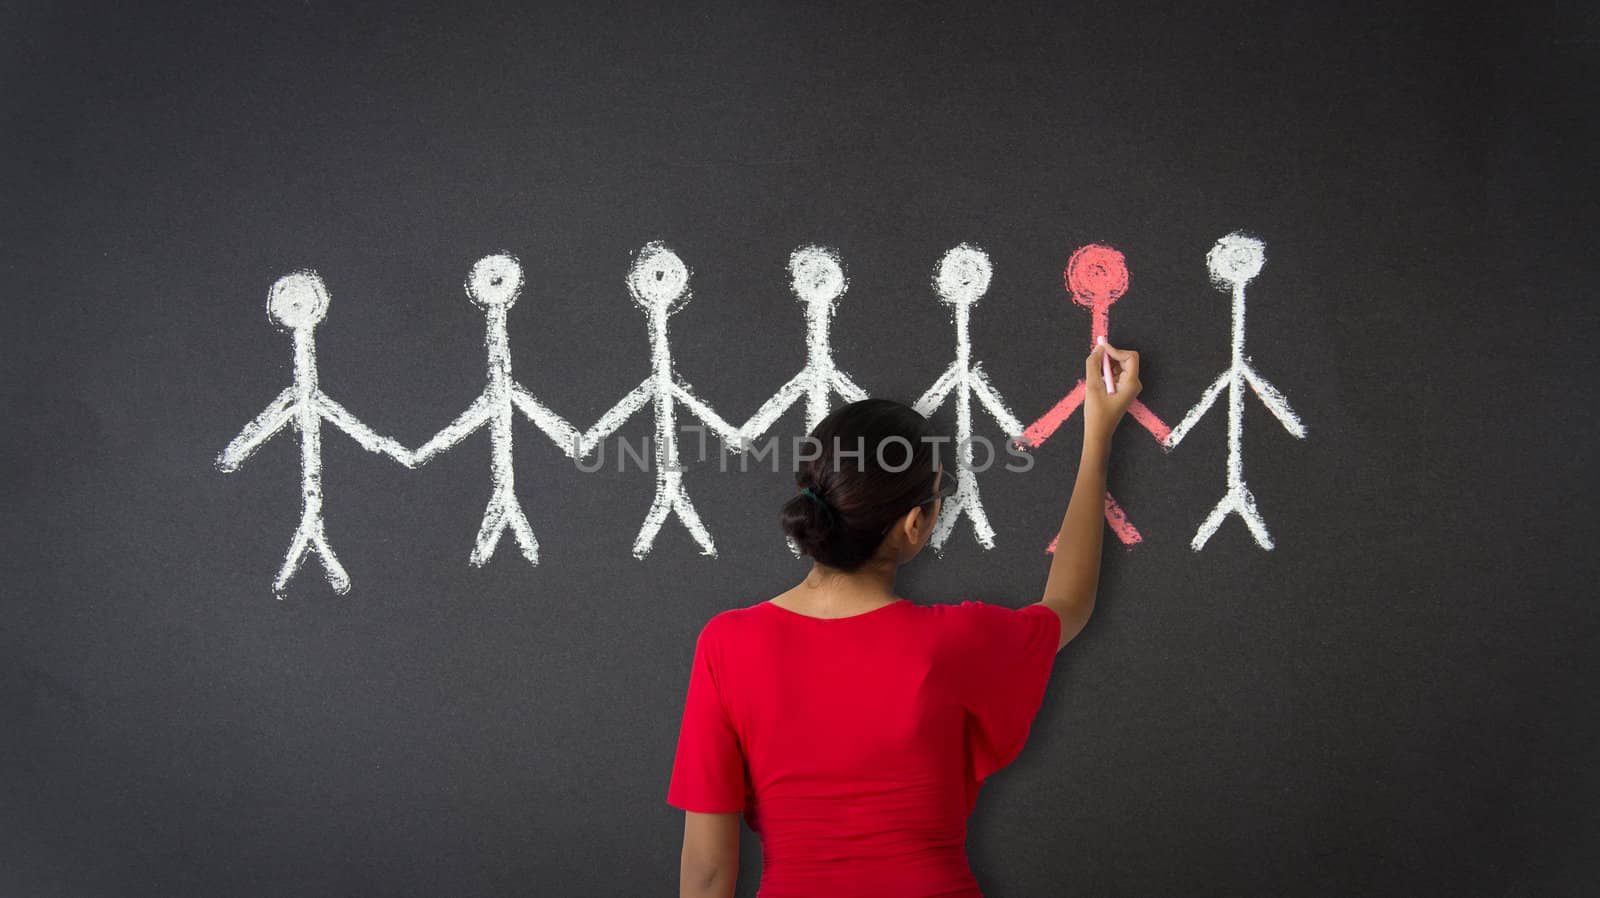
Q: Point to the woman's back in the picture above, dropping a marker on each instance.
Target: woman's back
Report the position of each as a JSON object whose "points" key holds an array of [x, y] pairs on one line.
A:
{"points": [[855, 746]]}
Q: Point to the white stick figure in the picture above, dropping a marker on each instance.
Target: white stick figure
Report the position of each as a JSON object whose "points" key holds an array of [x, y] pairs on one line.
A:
{"points": [[659, 283], [296, 303], [1233, 262], [494, 284], [818, 281], [962, 279]]}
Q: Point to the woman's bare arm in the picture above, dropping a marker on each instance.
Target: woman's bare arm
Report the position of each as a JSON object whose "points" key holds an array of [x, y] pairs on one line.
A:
{"points": [[1075, 570], [709, 867]]}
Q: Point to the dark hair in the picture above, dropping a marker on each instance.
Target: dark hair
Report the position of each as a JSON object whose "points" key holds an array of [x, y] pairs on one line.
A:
{"points": [[876, 463]]}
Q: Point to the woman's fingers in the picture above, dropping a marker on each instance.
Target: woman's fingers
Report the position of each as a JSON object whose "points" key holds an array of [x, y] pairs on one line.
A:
{"points": [[1124, 367], [1125, 364]]}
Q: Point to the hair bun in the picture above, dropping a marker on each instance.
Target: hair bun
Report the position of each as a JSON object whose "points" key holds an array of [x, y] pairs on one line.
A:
{"points": [[809, 520]]}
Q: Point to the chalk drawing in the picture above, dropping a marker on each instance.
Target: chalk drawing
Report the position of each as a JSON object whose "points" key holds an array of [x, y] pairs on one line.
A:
{"points": [[1097, 276], [818, 281], [659, 283], [296, 303], [961, 279], [1233, 262], [494, 284]]}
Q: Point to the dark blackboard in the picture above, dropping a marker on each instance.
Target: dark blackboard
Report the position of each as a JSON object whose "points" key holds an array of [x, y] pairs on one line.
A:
{"points": [[1395, 700]]}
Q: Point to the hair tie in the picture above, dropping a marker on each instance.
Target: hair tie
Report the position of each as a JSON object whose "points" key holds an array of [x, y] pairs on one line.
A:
{"points": [[820, 501]]}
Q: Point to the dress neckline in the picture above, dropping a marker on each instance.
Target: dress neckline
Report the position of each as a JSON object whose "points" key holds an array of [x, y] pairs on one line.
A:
{"points": [[830, 620]]}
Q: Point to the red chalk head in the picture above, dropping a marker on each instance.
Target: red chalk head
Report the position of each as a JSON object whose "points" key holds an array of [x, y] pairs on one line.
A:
{"points": [[1096, 275]]}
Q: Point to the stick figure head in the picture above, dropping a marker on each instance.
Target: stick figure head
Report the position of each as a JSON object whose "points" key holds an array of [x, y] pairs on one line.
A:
{"points": [[298, 299], [816, 275], [658, 279], [963, 275], [1236, 259], [495, 281], [1096, 275]]}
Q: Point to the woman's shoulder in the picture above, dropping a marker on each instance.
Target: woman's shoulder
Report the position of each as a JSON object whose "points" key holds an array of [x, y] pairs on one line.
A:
{"points": [[745, 618], [979, 617], [981, 607], [731, 620], [969, 608]]}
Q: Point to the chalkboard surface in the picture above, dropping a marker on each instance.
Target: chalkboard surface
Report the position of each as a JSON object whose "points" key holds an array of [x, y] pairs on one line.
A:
{"points": [[1396, 698]]}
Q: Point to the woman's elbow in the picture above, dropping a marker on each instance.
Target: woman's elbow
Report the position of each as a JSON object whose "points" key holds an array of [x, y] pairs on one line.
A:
{"points": [[1074, 617], [709, 867], [702, 880]]}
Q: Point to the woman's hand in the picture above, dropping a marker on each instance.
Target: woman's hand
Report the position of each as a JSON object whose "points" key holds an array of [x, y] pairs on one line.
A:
{"points": [[1101, 410]]}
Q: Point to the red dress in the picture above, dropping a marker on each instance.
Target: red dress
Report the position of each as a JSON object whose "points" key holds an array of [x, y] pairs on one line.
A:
{"points": [[856, 746]]}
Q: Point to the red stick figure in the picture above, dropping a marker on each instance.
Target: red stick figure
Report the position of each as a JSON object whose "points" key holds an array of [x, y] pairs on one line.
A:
{"points": [[1096, 276]]}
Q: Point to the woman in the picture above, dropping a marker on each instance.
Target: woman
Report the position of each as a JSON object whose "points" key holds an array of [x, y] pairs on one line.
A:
{"points": [[851, 726]]}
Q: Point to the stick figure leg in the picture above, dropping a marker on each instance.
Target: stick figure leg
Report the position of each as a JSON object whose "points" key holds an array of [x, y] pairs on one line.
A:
{"points": [[1212, 522], [947, 521], [659, 506], [291, 561], [489, 532], [1119, 523], [1116, 519], [1246, 506], [980, 523], [522, 532], [337, 578], [697, 528]]}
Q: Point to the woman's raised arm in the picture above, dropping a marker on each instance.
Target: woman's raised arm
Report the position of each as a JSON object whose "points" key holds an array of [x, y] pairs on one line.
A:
{"points": [[1075, 569]]}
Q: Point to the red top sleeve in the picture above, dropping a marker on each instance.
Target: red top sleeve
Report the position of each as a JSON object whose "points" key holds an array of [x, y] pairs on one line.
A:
{"points": [[1004, 656], [708, 773]]}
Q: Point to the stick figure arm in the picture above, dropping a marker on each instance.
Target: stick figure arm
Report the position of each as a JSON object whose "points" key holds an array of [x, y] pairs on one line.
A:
{"points": [[369, 440], [936, 394], [847, 388], [997, 407], [773, 407], [1198, 411], [258, 431], [1036, 433], [556, 427], [476, 415], [612, 419], [1275, 402], [1150, 421], [732, 437]]}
